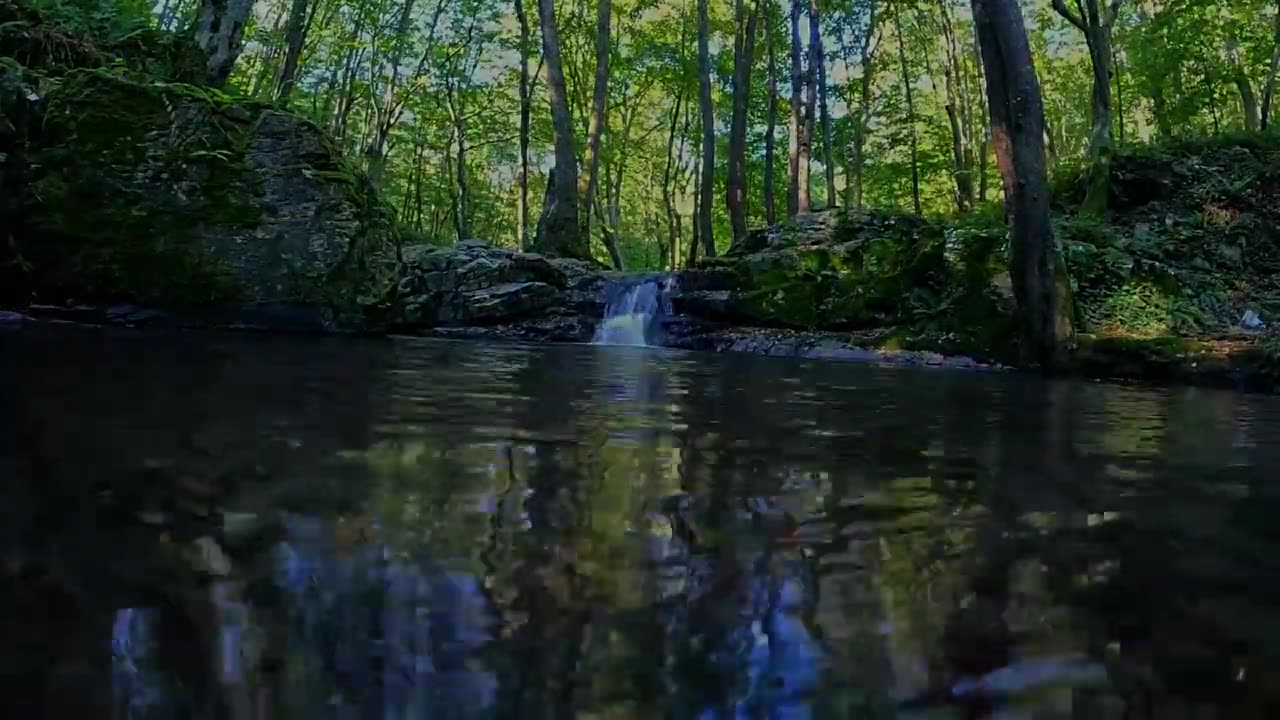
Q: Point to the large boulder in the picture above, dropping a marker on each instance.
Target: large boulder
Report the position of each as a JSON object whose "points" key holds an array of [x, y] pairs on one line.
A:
{"points": [[175, 196], [473, 283]]}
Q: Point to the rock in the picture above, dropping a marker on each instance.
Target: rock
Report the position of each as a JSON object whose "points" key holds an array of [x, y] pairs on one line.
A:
{"points": [[506, 300], [10, 319], [184, 198], [475, 283]]}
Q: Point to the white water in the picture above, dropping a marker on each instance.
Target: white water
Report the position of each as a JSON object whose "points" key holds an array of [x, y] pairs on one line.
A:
{"points": [[631, 314]]}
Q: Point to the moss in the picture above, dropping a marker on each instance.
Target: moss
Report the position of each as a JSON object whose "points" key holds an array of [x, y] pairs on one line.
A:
{"points": [[120, 190]]}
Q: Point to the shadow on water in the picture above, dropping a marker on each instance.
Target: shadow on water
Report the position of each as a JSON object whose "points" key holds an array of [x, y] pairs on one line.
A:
{"points": [[209, 526]]}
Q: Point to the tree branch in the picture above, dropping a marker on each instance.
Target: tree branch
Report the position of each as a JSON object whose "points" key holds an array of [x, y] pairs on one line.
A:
{"points": [[1061, 8], [1113, 12]]}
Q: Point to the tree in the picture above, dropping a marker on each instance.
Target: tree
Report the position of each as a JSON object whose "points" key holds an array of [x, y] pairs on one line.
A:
{"points": [[1017, 130], [1248, 100], [708, 131], [804, 181], [796, 128], [771, 121], [590, 179], [220, 34], [911, 111], [558, 229], [295, 38], [820, 62], [1269, 91], [957, 111], [526, 103], [735, 190], [1096, 23], [861, 113]]}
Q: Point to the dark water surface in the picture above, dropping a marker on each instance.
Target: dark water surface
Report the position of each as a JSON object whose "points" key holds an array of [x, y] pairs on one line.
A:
{"points": [[251, 527]]}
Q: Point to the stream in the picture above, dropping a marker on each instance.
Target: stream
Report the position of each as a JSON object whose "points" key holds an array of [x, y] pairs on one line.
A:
{"points": [[250, 526]]}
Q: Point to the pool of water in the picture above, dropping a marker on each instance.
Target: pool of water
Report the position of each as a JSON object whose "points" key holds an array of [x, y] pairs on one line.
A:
{"points": [[249, 526]]}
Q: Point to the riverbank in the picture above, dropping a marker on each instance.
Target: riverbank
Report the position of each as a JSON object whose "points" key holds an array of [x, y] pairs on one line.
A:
{"points": [[1241, 362]]}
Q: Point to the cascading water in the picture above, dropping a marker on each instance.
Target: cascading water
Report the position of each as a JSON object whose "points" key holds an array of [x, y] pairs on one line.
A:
{"points": [[634, 311]]}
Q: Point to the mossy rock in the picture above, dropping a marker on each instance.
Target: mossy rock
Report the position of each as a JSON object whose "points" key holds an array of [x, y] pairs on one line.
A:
{"points": [[170, 194]]}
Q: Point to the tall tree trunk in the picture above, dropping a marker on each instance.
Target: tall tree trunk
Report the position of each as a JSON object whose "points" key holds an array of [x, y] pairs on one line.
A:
{"points": [[820, 62], [1119, 74], [984, 150], [695, 219], [558, 232], [1269, 91], [385, 111], [961, 156], [1017, 129], [911, 112], [735, 190], [461, 194], [804, 195], [708, 131], [668, 179], [522, 174], [295, 38], [771, 121], [220, 35], [1248, 100], [795, 129], [1096, 24], [346, 95], [861, 127], [589, 181]]}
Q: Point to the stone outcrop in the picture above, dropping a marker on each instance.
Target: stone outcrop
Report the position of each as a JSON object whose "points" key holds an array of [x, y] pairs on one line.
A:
{"points": [[170, 196], [476, 290]]}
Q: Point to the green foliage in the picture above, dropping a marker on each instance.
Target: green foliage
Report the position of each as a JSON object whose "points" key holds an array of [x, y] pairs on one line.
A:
{"points": [[1191, 245], [105, 21]]}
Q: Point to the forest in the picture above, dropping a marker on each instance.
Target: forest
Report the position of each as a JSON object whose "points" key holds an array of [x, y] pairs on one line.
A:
{"points": [[644, 135], [788, 106]]}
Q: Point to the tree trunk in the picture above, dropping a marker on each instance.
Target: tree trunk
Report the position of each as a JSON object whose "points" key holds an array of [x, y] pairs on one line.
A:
{"points": [[771, 122], [1096, 25], [522, 174], [1119, 73], [1017, 129], [911, 112], [735, 190], [462, 197], [295, 38], [1248, 100], [795, 130], [961, 156], [220, 34], [708, 131], [862, 124], [590, 179], [668, 203], [804, 195], [557, 232], [1269, 91], [820, 61], [984, 150]]}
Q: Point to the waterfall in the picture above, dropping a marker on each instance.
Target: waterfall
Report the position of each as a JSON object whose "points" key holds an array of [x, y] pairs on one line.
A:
{"points": [[634, 310]]}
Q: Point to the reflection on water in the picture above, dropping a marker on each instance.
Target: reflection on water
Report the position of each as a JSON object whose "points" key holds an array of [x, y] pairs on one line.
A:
{"points": [[206, 526]]}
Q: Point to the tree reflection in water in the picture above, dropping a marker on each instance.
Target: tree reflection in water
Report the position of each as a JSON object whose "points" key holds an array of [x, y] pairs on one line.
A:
{"points": [[223, 527]]}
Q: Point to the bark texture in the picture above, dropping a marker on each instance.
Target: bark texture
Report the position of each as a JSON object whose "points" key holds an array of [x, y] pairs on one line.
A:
{"points": [[1017, 130], [558, 232], [220, 34]]}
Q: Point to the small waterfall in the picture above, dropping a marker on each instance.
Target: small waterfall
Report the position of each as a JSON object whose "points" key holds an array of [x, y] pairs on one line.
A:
{"points": [[633, 313]]}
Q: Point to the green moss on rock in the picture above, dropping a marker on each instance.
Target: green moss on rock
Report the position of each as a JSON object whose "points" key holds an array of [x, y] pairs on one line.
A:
{"points": [[170, 194]]}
